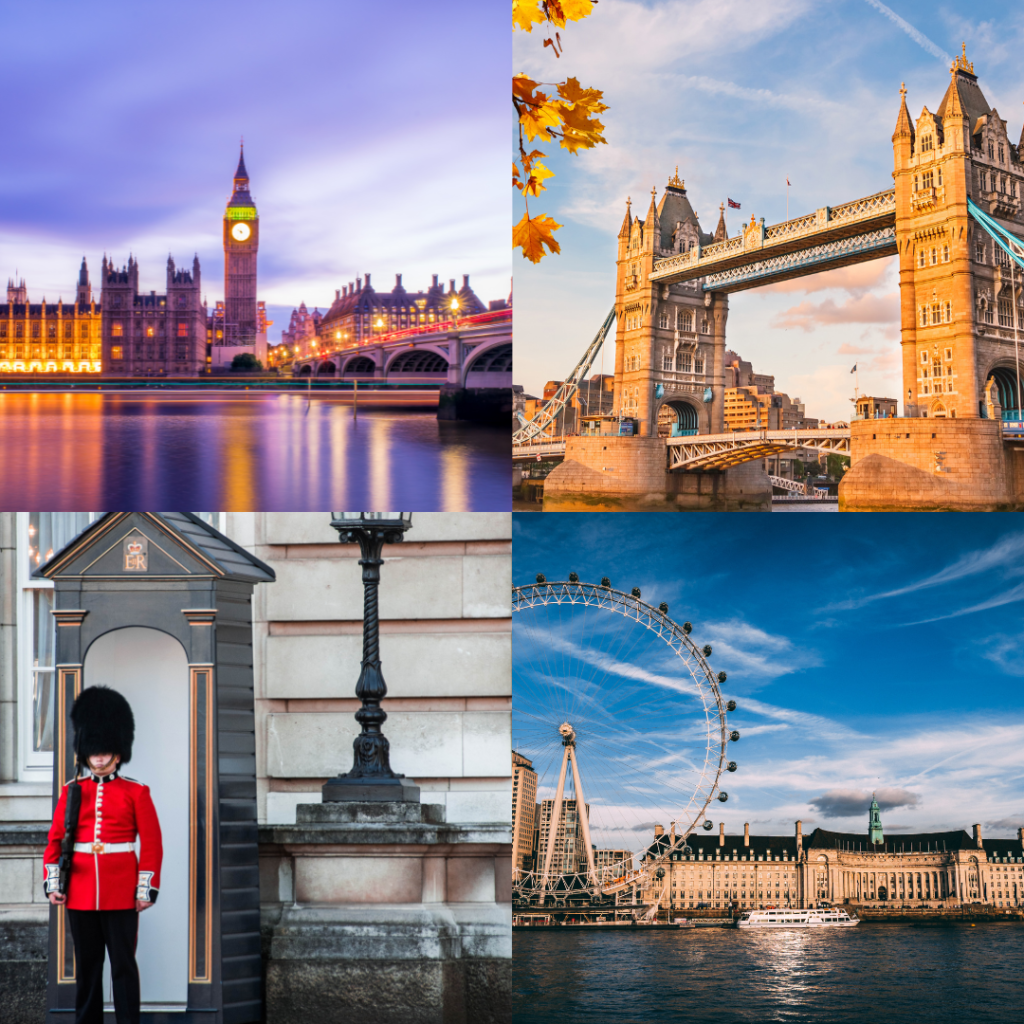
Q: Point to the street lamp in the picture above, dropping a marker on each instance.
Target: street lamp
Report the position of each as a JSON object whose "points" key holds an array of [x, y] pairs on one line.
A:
{"points": [[454, 306], [371, 777]]}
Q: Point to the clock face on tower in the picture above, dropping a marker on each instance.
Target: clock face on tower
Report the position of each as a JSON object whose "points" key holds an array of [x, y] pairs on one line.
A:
{"points": [[240, 231]]}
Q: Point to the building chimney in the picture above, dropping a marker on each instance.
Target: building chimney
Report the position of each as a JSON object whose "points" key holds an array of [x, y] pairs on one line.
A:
{"points": [[659, 830], [398, 281], [435, 280], [977, 836], [337, 294], [465, 280], [799, 840], [367, 280], [721, 833], [746, 833], [1020, 835]]}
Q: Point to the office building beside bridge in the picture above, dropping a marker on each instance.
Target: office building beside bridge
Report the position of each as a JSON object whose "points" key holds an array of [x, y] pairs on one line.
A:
{"points": [[927, 869]]}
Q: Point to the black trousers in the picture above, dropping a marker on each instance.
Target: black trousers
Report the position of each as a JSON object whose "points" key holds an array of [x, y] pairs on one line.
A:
{"points": [[117, 931]]}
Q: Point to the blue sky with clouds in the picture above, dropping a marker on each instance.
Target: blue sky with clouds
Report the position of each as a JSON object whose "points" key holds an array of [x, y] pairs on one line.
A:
{"points": [[870, 653], [373, 141], [742, 94]]}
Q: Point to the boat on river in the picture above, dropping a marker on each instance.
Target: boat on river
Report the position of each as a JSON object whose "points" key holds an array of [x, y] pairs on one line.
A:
{"points": [[830, 917]]}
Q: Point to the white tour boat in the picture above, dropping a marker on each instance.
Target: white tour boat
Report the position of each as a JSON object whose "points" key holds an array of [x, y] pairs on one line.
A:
{"points": [[830, 917]]}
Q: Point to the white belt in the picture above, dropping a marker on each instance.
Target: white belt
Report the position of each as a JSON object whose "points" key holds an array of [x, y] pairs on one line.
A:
{"points": [[104, 847]]}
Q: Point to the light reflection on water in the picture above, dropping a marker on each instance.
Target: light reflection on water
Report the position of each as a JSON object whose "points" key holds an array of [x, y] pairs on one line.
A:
{"points": [[886, 973], [266, 452]]}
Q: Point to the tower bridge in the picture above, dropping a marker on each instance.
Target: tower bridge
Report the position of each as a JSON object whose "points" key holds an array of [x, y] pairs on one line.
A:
{"points": [[953, 218]]}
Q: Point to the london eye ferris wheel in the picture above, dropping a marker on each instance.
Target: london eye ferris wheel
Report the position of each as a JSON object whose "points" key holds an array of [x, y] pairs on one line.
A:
{"points": [[618, 711]]}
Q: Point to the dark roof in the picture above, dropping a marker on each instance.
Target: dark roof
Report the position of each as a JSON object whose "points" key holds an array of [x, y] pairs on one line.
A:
{"points": [[708, 844], [1002, 847], [899, 843], [823, 839], [228, 558], [972, 99]]}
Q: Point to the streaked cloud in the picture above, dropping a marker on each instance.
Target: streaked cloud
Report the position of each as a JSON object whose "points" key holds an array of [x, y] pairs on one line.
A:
{"points": [[919, 37]]}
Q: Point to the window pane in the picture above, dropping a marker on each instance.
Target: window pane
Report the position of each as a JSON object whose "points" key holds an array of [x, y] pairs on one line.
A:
{"points": [[42, 670], [48, 532]]}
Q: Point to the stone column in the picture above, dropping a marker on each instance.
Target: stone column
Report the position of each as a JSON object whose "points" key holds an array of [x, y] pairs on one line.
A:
{"points": [[455, 358], [719, 312]]}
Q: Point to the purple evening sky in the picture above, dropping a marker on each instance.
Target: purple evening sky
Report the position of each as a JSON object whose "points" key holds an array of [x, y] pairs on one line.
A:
{"points": [[374, 134]]}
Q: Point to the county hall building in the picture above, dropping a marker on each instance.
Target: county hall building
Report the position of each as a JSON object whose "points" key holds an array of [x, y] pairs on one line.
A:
{"points": [[927, 869]]}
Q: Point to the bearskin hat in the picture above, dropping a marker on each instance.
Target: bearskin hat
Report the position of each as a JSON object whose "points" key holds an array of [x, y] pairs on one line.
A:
{"points": [[103, 723]]}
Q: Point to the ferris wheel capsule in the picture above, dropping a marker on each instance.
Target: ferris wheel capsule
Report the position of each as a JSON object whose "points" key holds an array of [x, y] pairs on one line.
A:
{"points": [[708, 826], [734, 735]]}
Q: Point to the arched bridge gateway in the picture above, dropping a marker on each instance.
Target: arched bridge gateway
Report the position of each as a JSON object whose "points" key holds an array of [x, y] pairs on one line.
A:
{"points": [[954, 220], [476, 352]]}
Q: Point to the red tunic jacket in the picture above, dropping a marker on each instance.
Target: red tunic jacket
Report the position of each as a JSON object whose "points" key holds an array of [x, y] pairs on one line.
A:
{"points": [[113, 810]]}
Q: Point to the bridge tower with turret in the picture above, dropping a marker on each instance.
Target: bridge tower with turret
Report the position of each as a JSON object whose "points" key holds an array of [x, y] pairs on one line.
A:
{"points": [[670, 338], [958, 296]]}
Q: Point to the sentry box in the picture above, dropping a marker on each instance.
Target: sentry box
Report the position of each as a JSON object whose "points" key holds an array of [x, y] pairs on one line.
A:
{"points": [[158, 605]]}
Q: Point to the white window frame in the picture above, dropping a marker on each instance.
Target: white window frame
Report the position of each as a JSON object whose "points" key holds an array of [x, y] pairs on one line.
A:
{"points": [[33, 765]]}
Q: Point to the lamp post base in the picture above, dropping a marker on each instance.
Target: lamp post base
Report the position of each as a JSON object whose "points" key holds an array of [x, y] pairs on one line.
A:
{"points": [[344, 790]]}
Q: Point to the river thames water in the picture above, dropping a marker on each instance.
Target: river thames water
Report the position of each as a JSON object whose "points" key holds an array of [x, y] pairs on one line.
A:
{"points": [[271, 452], [879, 973]]}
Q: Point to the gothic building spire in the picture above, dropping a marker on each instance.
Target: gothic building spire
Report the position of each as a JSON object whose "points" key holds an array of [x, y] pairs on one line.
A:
{"points": [[627, 221], [652, 227], [721, 232], [241, 173], [904, 126]]}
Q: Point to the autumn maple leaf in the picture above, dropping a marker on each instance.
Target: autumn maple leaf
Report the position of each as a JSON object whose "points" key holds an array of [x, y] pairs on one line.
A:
{"points": [[526, 13], [531, 234], [561, 11], [570, 118]]}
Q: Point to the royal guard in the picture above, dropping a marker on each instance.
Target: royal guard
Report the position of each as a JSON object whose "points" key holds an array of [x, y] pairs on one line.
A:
{"points": [[90, 863]]}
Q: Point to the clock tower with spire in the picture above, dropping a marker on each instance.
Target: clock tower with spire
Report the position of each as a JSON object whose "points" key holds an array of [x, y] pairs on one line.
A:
{"points": [[241, 240]]}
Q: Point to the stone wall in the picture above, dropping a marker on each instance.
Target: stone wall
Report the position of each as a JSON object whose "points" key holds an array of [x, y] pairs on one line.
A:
{"points": [[629, 473], [445, 641], [919, 463]]}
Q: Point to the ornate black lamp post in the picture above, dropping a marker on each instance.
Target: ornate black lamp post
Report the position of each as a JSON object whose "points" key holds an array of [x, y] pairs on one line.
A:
{"points": [[371, 777]]}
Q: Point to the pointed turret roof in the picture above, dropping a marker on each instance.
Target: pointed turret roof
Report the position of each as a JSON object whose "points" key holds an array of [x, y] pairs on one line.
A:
{"points": [[721, 232], [627, 221], [242, 172], [964, 93], [904, 126], [652, 210], [240, 192]]}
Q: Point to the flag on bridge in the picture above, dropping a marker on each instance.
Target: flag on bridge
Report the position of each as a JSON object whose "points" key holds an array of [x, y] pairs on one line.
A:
{"points": [[734, 206], [854, 370], [787, 182]]}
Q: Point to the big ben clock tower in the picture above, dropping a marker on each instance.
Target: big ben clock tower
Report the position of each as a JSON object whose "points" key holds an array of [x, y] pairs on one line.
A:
{"points": [[241, 240]]}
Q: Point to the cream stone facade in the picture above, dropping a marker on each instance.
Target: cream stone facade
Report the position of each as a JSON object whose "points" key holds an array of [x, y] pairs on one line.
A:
{"points": [[920, 870], [672, 335]]}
